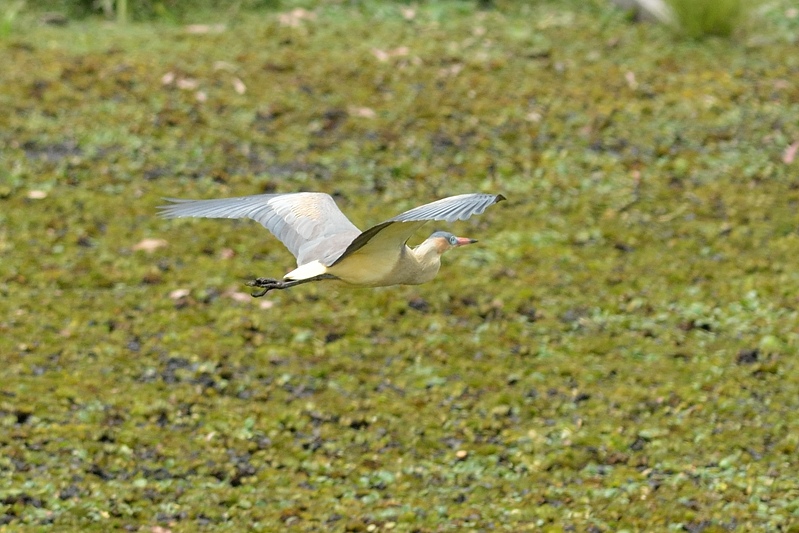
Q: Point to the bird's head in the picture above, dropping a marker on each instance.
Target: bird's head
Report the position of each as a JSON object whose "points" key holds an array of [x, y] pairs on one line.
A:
{"points": [[443, 241]]}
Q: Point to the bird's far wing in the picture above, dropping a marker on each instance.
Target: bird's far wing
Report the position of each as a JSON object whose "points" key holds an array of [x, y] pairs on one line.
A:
{"points": [[392, 234], [299, 220]]}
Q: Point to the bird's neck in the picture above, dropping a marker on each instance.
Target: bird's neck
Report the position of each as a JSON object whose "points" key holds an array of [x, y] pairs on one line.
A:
{"points": [[415, 265], [427, 256]]}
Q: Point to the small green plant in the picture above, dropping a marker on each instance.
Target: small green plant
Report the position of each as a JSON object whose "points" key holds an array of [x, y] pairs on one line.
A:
{"points": [[700, 18], [112, 8], [9, 16], [122, 11]]}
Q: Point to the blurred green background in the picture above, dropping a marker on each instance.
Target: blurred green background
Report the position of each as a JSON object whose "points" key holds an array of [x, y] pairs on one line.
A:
{"points": [[617, 353]]}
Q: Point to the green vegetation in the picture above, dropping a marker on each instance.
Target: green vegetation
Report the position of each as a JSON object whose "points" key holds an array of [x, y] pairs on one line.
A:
{"points": [[8, 16], [699, 18], [618, 353], [143, 10]]}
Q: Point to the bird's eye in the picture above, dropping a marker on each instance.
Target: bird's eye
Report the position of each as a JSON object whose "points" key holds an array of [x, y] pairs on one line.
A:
{"points": [[453, 240]]}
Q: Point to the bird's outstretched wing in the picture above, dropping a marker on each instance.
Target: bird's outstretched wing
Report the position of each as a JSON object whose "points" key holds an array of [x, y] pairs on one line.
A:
{"points": [[393, 233], [309, 224]]}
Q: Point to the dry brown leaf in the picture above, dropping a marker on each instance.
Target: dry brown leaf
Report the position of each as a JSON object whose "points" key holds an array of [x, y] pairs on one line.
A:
{"points": [[632, 83], [177, 294], [238, 296], [380, 55], [452, 70], [202, 29], [294, 17], [385, 55], [533, 116], [363, 112], [224, 65], [149, 245], [790, 153], [187, 84]]}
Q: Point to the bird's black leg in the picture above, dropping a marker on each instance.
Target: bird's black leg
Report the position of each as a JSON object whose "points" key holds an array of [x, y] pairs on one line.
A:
{"points": [[268, 284]]}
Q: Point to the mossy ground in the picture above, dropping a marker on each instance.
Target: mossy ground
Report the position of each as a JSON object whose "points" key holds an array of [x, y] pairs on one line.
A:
{"points": [[618, 352]]}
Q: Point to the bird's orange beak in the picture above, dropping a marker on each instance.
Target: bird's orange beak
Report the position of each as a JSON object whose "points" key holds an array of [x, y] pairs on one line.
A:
{"points": [[463, 240]]}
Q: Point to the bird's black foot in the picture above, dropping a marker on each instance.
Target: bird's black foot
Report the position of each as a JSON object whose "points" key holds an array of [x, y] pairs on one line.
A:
{"points": [[266, 284]]}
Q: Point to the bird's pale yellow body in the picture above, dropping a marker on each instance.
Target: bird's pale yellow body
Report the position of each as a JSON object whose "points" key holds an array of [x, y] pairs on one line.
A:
{"points": [[374, 268]]}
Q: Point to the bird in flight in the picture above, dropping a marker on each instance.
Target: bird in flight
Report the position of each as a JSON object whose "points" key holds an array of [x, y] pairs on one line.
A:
{"points": [[329, 247]]}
